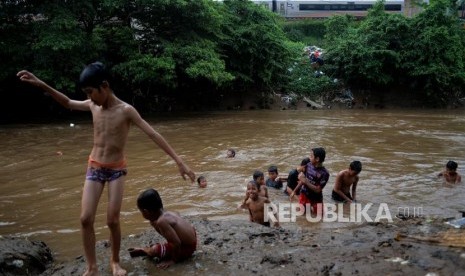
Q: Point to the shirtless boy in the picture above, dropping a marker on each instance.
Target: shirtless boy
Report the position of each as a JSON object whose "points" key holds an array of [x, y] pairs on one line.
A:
{"points": [[179, 233], [259, 179], [344, 180], [450, 175], [112, 119], [256, 205]]}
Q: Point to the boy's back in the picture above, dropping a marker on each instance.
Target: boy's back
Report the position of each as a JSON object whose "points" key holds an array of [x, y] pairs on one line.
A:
{"points": [[184, 232]]}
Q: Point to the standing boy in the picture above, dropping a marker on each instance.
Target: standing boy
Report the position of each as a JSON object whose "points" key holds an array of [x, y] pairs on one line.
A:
{"points": [[112, 119], [178, 232], [313, 181], [344, 180]]}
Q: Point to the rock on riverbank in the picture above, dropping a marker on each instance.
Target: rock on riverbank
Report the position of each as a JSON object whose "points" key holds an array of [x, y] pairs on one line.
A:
{"points": [[405, 247], [23, 257]]}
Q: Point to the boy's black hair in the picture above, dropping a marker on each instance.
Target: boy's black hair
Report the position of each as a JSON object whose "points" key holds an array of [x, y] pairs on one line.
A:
{"points": [[320, 153], [93, 75], [273, 169], [452, 165], [255, 183], [257, 174], [200, 178], [149, 200], [305, 161], [356, 166], [233, 152]]}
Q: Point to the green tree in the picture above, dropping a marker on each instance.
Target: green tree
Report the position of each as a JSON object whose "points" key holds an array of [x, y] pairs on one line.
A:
{"points": [[366, 54], [254, 45], [62, 36], [423, 55], [15, 36], [433, 56], [177, 48]]}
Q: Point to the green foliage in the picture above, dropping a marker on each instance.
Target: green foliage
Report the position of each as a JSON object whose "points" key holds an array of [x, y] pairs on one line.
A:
{"points": [[308, 31], [148, 69], [15, 36], [303, 79], [424, 53], [255, 45], [176, 40], [366, 54], [337, 26], [434, 58], [153, 46], [177, 47], [199, 60]]}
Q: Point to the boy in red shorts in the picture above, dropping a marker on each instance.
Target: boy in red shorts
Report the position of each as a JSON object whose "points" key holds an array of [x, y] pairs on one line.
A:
{"points": [[179, 233], [312, 182]]}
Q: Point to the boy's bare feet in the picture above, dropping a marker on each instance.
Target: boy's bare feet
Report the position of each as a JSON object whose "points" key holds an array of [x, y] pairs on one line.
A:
{"points": [[91, 271], [117, 269]]}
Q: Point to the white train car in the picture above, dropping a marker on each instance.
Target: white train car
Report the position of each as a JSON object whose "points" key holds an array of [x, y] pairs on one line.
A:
{"points": [[295, 9]]}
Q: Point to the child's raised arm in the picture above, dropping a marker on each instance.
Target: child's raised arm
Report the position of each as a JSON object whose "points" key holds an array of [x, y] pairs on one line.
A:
{"points": [[61, 98]]}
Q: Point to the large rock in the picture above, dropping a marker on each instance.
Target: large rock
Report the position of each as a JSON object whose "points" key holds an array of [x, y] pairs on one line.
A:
{"points": [[20, 256]]}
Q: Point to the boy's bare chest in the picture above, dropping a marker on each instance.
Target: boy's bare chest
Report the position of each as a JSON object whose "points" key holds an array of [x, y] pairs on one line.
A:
{"points": [[348, 180], [110, 122], [256, 205]]}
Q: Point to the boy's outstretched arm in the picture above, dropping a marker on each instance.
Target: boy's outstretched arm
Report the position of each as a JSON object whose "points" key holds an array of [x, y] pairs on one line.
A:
{"points": [[61, 98], [161, 142]]}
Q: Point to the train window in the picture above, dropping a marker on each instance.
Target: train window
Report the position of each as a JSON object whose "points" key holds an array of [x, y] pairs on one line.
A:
{"points": [[363, 7], [281, 9], [307, 7], [342, 7], [392, 7]]}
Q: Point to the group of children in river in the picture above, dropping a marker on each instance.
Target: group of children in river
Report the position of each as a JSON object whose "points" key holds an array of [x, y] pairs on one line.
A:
{"points": [[112, 119], [308, 180]]}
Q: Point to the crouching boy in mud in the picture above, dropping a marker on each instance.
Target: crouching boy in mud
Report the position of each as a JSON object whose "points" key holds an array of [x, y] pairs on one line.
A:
{"points": [[179, 233]]}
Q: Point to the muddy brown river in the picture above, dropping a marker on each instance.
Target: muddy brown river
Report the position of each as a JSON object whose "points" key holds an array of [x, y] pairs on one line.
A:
{"points": [[42, 166]]}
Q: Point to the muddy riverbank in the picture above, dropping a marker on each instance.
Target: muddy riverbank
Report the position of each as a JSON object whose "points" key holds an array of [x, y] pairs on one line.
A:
{"points": [[417, 246]]}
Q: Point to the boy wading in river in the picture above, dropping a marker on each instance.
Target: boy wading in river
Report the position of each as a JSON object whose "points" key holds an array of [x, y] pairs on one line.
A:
{"points": [[112, 119]]}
